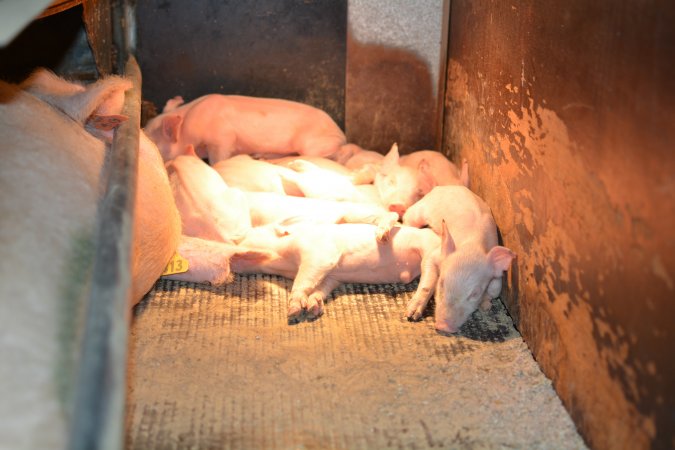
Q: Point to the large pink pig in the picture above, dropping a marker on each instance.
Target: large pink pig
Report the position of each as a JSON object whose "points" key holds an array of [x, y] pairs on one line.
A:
{"points": [[401, 181], [220, 126], [470, 262], [320, 257], [49, 191]]}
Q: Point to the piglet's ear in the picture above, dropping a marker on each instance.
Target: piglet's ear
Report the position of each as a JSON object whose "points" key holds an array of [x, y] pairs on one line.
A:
{"points": [[499, 259], [190, 150], [391, 158], [447, 243], [173, 103], [464, 174], [170, 126]]}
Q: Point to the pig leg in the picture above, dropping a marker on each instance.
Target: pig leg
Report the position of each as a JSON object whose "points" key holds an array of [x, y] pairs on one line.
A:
{"points": [[312, 271], [221, 149], [414, 216], [208, 261], [384, 224], [493, 290], [365, 174], [428, 279], [384, 221], [316, 299]]}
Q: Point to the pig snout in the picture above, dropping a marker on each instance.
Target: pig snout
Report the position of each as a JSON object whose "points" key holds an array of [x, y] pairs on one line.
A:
{"points": [[398, 208], [445, 327]]}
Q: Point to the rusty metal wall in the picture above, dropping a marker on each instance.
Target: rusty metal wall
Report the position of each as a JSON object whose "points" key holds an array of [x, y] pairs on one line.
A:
{"points": [[291, 49], [566, 113]]}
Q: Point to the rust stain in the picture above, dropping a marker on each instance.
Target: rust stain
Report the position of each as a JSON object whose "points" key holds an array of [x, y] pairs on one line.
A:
{"points": [[552, 210]]}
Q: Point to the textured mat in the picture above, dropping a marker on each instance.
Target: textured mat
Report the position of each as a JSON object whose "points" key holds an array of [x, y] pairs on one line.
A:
{"points": [[214, 368]]}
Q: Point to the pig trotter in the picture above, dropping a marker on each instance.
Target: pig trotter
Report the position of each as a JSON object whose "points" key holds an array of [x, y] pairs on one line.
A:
{"points": [[486, 304], [384, 226], [314, 306], [415, 310], [295, 310]]}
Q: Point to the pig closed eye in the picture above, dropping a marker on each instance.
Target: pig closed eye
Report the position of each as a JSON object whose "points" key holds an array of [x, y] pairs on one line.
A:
{"points": [[475, 294]]}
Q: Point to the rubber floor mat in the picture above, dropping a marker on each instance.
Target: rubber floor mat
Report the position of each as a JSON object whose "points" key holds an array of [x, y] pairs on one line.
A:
{"points": [[220, 367]]}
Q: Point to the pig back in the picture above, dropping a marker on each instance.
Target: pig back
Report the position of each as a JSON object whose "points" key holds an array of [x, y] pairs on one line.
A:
{"points": [[441, 169], [49, 188], [288, 126], [156, 227], [467, 215]]}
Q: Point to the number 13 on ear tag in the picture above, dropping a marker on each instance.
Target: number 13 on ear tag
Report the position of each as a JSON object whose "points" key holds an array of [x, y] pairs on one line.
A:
{"points": [[177, 264]]}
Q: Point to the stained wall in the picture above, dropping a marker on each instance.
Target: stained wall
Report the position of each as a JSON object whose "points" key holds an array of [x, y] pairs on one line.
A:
{"points": [[566, 113]]}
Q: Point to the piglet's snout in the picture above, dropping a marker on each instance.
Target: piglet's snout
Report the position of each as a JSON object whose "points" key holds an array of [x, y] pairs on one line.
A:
{"points": [[397, 208], [445, 327]]}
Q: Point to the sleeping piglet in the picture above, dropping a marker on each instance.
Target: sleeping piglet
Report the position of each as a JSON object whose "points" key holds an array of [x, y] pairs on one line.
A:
{"points": [[322, 256], [401, 181], [220, 126], [470, 262], [208, 208]]}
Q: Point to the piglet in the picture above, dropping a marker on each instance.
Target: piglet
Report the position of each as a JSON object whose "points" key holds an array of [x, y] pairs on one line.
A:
{"points": [[316, 182], [320, 257], [208, 208], [401, 181], [268, 208], [248, 174], [220, 126], [364, 165], [470, 262]]}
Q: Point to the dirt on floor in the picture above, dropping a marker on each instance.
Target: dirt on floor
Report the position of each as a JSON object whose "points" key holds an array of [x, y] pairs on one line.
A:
{"points": [[220, 367]]}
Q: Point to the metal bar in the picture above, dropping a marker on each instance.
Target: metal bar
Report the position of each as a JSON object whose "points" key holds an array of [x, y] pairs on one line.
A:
{"points": [[98, 420]]}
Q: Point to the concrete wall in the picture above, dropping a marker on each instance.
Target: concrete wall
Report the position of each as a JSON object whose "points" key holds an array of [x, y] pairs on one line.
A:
{"points": [[566, 113], [395, 58], [292, 49]]}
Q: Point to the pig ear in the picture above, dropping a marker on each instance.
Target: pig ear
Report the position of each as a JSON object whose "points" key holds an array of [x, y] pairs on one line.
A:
{"points": [[426, 178], [190, 150], [464, 174], [105, 97], [447, 243], [170, 126], [173, 103], [499, 259], [391, 158]]}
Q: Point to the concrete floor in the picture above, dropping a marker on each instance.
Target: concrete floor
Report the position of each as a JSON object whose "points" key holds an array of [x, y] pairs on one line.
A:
{"points": [[219, 367]]}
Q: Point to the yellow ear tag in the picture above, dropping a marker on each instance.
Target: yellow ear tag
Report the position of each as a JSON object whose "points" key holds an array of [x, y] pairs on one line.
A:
{"points": [[177, 264]]}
